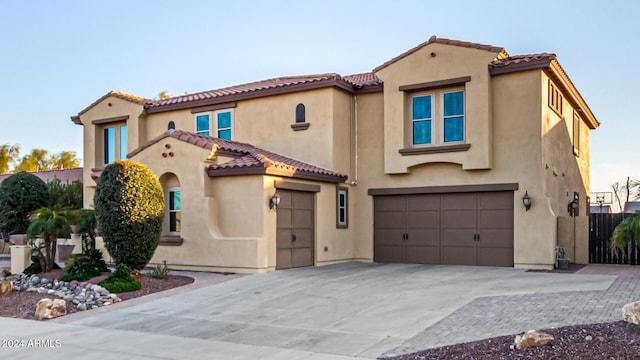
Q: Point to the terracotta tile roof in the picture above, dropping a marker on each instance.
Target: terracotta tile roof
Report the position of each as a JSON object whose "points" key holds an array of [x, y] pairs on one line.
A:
{"points": [[436, 40], [65, 176], [118, 94], [521, 62], [248, 159], [362, 80]]}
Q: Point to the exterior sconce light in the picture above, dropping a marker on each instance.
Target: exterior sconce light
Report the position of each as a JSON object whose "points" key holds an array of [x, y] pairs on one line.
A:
{"points": [[526, 201], [274, 202], [573, 205]]}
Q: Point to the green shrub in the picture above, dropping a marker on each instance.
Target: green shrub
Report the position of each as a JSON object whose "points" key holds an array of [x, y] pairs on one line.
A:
{"points": [[120, 280], [85, 266], [20, 194], [159, 271], [63, 195], [35, 267], [129, 206]]}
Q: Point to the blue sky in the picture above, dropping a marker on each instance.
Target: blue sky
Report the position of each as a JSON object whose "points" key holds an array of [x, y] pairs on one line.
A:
{"points": [[56, 57]]}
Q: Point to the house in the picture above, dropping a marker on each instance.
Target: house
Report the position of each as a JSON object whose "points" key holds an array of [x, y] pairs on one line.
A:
{"points": [[429, 158], [66, 176]]}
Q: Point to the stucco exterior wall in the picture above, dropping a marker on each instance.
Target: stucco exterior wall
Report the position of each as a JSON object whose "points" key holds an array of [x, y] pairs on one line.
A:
{"points": [[437, 62], [93, 148]]}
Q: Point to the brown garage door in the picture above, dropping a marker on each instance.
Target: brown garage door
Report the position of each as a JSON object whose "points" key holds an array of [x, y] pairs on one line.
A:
{"points": [[456, 229], [294, 235]]}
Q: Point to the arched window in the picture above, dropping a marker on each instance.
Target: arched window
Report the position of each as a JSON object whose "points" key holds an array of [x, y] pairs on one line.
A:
{"points": [[171, 126], [300, 114]]}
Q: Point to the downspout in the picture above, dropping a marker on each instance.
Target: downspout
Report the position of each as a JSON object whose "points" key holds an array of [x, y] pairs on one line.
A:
{"points": [[355, 120]]}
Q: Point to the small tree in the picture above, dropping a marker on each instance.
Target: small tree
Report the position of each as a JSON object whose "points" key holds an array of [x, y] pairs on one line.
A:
{"points": [[50, 224], [67, 195], [20, 195], [88, 229], [129, 207]]}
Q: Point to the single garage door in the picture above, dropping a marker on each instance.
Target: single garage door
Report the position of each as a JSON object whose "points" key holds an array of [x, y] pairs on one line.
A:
{"points": [[295, 231], [454, 229]]}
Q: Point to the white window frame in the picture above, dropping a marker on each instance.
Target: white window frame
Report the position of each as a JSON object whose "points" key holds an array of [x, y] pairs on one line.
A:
{"points": [[441, 116], [432, 119], [195, 123], [168, 210], [344, 192], [215, 117]]}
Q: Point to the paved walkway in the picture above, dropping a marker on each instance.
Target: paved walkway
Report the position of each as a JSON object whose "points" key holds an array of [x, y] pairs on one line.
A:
{"points": [[486, 317], [333, 312]]}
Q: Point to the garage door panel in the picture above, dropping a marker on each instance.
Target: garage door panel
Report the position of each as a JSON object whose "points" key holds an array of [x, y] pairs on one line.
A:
{"points": [[283, 238], [302, 218], [458, 237], [458, 255], [388, 254], [465, 201], [389, 203], [423, 219], [283, 258], [459, 219], [423, 254], [496, 200], [423, 237], [389, 236], [304, 238], [496, 219], [302, 200], [496, 238], [301, 257], [423, 202], [495, 256], [388, 219]]}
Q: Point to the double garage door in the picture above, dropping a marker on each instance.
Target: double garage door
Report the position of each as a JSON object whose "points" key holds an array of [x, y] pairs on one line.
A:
{"points": [[454, 229]]}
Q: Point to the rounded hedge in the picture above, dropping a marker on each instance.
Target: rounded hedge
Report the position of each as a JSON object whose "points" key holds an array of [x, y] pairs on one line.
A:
{"points": [[20, 195], [129, 206]]}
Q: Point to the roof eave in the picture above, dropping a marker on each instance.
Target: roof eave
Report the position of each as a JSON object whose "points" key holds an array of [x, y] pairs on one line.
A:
{"points": [[76, 120], [341, 84], [274, 171], [556, 71]]}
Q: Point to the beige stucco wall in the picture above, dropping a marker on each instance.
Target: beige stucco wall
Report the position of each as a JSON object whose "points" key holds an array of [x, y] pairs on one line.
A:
{"points": [[93, 148], [437, 62]]}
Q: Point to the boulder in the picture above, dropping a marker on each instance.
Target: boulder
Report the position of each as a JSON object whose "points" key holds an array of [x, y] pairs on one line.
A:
{"points": [[532, 338], [5, 288], [631, 313], [49, 309]]}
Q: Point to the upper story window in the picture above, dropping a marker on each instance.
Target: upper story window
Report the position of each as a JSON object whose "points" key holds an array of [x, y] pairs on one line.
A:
{"points": [[421, 119], [449, 111], [576, 134], [223, 124], [300, 114], [453, 116], [555, 98], [115, 143]]}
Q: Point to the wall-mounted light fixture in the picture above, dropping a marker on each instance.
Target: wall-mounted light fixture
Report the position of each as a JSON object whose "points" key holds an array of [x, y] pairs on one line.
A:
{"points": [[526, 201], [573, 205], [274, 201]]}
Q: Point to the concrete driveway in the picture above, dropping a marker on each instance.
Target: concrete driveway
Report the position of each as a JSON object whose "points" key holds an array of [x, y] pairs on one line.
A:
{"points": [[333, 312]]}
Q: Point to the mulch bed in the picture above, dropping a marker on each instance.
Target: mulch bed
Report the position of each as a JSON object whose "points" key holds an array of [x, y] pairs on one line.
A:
{"points": [[615, 340], [22, 304]]}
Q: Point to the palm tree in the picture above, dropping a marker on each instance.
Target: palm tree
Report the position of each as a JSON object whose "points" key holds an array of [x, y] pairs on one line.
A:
{"points": [[50, 224], [626, 233]]}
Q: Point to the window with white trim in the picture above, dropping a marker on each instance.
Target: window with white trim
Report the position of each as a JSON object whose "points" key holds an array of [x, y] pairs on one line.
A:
{"points": [[555, 98], [445, 116], [174, 211], [217, 124], [342, 214], [115, 143]]}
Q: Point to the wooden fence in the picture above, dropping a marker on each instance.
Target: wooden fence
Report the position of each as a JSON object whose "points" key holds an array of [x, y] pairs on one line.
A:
{"points": [[600, 230]]}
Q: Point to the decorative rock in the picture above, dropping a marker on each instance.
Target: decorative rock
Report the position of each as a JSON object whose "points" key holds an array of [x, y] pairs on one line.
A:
{"points": [[73, 283], [46, 281], [631, 313], [532, 338], [42, 291], [49, 309], [588, 338], [5, 288], [50, 291], [35, 280], [106, 293], [82, 306]]}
